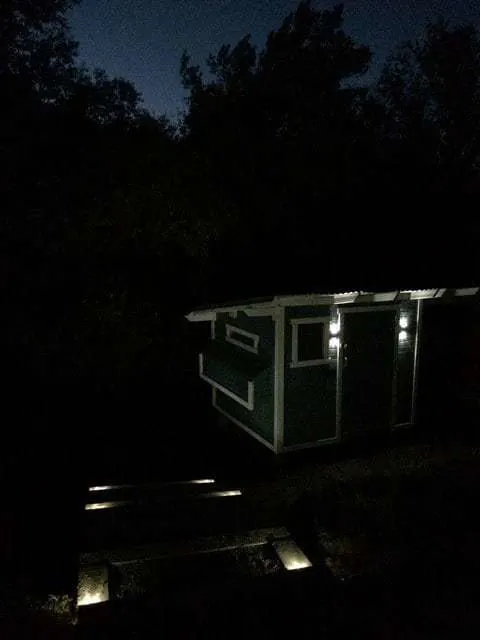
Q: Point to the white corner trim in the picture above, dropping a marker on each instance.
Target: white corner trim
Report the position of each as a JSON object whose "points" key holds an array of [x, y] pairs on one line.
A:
{"points": [[230, 329], [243, 426], [416, 351], [339, 379], [279, 381], [248, 404], [295, 322]]}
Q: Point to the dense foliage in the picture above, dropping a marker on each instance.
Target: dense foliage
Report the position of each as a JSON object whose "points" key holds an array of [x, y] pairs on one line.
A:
{"points": [[288, 173]]}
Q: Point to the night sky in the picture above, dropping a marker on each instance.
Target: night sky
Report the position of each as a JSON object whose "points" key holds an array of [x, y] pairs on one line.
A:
{"points": [[142, 40]]}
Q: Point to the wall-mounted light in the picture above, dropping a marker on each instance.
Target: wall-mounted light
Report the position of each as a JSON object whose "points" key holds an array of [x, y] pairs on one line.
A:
{"points": [[333, 343], [403, 322], [334, 328], [402, 336]]}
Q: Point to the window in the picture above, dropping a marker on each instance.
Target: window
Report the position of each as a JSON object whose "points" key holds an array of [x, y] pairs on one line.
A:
{"points": [[309, 341], [241, 338]]}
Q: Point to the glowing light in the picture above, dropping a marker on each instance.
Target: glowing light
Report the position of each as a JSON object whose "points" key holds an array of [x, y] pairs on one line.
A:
{"points": [[113, 487], [102, 488], [91, 598], [333, 343], [291, 556], [334, 328], [93, 506], [222, 494], [110, 487], [403, 336], [92, 585], [403, 322]]}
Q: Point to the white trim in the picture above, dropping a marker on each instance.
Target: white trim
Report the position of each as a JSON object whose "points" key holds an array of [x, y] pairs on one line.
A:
{"points": [[311, 445], [201, 316], [370, 309], [394, 401], [279, 381], [248, 404], [415, 363], [388, 296], [339, 381], [295, 322], [244, 427], [303, 301], [421, 294], [254, 337]]}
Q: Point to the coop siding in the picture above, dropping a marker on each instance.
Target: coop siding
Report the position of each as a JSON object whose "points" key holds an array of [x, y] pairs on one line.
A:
{"points": [[310, 392], [260, 420]]}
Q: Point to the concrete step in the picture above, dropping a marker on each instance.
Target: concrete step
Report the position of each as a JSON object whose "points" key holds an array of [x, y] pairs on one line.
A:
{"points": [[140, 515], [188, 564]]}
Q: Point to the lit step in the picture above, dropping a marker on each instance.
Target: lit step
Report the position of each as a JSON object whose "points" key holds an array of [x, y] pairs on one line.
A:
{"points": [[115, 504], [290, 554]]}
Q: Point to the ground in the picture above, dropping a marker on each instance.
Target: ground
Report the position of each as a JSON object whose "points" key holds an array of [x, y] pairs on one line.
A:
{"points": [[395, 524]]}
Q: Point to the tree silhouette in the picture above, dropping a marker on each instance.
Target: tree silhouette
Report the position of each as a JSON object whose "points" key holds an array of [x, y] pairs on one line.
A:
{"points": [[280, 130], [431, 90]]}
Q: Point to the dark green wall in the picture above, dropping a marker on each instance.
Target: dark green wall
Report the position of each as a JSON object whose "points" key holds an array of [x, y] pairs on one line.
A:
{"points": [[260, 420], [310, 392]]}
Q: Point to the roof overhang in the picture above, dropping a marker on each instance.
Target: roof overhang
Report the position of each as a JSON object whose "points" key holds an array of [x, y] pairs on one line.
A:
{"points": [[268, 307]]}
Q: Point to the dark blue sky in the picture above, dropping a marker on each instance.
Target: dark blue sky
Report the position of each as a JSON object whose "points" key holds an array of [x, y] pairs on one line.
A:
{"points": [[142, 40]]}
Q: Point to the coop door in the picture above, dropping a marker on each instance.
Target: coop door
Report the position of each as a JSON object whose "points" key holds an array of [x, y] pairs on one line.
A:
{"points": [[367, 357]]}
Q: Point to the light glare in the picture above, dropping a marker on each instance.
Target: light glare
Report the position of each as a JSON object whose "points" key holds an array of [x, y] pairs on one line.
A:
{"points": [[333, 343], [110, 487], [90, 597], [334, 328], [93, 506], [222, 494], [403, 336], [291, 556], [403, 322]]}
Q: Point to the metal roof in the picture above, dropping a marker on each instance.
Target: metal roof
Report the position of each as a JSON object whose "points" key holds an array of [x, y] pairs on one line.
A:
{"points": [[260, 306]]}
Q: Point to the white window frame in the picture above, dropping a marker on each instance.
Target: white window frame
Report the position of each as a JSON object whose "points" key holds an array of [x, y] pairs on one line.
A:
{"points": [[229, 329], [325, 320]]}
